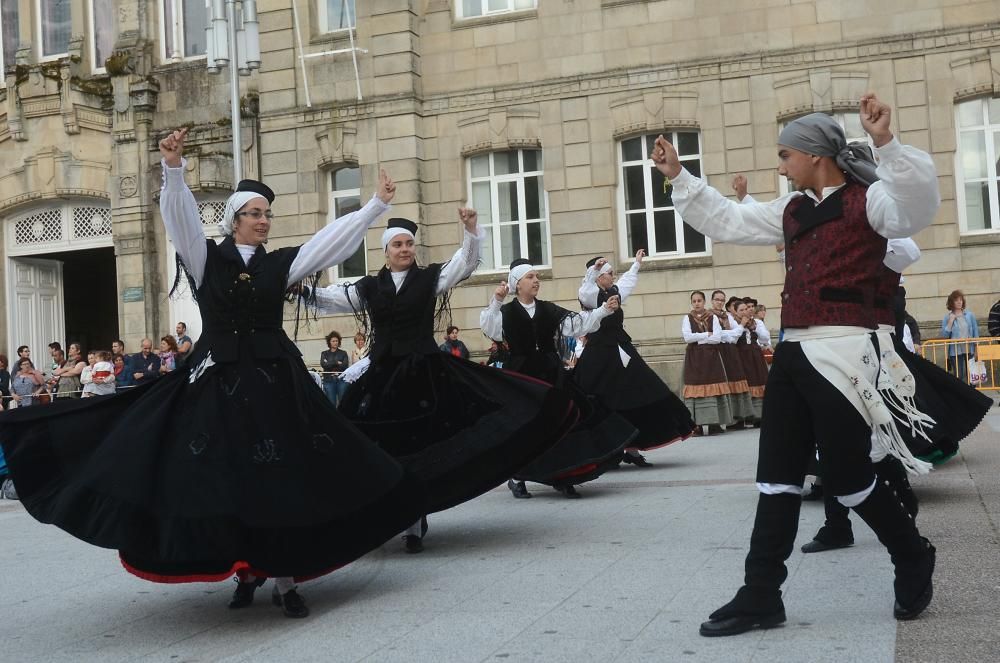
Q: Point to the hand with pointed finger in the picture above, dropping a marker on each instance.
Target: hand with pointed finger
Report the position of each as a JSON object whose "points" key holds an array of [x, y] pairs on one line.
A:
{"points": [[502, 291], [613, 303], [740, 186], [172, 147], [386, 187]]}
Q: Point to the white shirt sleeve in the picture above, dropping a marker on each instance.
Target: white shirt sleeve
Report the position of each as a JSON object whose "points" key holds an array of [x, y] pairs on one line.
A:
{"points": [[905, 199], [337, 241], [908, 338], [725, 220], [763, 336], [900, 254], [690, 336], [627, 282], [584, 322], [333, 299], [732, 334], [182, 221], [748, 199], [491, 320], [463, 263], [589, 289]]}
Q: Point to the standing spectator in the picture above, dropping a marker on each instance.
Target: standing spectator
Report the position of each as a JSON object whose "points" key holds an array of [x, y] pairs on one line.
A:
{"points": [[123, 378], [27, 384], [452, 345], [359, 348], [334, 361], [68, 375], [168, 354], [55, 347], [184, 341], [959, 324], [23, 352], [145, 365], [4, 382], [120, 370], [102, 375], [86, 377]]}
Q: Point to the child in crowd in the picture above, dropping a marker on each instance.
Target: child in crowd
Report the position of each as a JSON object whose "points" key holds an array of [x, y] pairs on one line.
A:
{"points": [[98, 377]]}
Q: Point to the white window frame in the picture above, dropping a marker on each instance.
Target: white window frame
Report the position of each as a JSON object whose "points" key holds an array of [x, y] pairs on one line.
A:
{"points": [[178, 28], [992, 170], [97, 67], [322, 17], [40, 35], [647, 184], [494, 226], [841, 118], [331, 216], [509, 9]]}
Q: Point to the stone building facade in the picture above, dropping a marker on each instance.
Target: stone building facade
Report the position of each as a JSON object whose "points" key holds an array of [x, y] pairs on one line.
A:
{"points": [[538, 112]]}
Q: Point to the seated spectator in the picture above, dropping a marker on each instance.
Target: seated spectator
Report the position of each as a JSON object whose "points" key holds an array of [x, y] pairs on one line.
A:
{"points": [[145, 365], [452, 345], [101, 378], [168, 354], [27, 384]]}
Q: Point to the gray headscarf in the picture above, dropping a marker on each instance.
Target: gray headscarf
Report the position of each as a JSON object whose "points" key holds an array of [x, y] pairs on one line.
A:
{"points": [[820, 134]]}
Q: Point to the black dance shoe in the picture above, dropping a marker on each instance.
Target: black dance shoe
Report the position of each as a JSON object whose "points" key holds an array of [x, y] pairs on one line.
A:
{"points": [[518, 489], [914, 585], [638, 460], [243, 596], [715, 429], [751, 608], [568, 491], [413, 544], [739, 425], [291, 603], [816, 546]]}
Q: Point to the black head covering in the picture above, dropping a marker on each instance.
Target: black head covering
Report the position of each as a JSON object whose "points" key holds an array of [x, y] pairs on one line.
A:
{"points": [[405, 224], [519, 261], [593, 261], [259, 188]]}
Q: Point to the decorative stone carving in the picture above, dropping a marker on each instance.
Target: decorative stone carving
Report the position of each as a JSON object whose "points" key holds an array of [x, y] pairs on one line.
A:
{"points": [[500, 129], [655, 110], [337, 144]]}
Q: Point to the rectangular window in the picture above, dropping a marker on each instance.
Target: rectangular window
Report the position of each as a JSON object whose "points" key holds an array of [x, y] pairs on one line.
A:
{"points": [[183, 29], [8, 36], [976, 167], [507, 191], [54, 27], [102, 33], [345, 197], [335, 15], [472, 8], [647, 215]]}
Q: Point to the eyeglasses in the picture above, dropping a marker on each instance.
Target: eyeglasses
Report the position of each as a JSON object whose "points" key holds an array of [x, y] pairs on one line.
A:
{"points": [[257, 214]]}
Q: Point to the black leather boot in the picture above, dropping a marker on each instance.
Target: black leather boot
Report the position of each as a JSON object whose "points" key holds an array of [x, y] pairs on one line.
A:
{"points": [[243, 596], [290, 602], [518, 489], [836, 532], [758, 603], [912, 555]]}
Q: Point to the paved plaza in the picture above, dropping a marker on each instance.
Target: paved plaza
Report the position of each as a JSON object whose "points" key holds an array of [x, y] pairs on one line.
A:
{"points": [[625, 574]]}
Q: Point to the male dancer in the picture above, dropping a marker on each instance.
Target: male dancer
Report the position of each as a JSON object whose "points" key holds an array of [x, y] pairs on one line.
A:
{"points": [[824, 376]]}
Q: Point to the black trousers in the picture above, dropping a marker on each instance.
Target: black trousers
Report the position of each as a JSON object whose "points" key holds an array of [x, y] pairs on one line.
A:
{"points": [[802, 409]]}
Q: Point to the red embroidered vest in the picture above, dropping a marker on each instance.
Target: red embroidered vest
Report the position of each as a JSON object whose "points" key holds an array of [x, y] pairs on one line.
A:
{"points": [[833, 261]]}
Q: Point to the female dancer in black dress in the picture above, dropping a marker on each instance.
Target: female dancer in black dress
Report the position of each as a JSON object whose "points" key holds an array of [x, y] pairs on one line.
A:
{"points": [[533, 330], [235, 462], [611, 369], [460, 427]]}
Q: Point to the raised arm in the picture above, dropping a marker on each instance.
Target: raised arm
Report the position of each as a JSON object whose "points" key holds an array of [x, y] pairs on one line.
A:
{"points": [[900, 254], [627, 281], [589, 289], [466, 259], [339, 240], [709, 212], [491, 318], [179, 209]]}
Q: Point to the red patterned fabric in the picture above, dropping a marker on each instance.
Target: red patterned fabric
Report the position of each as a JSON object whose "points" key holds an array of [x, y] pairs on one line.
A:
{"points": [[888, 284], [833, 261]]}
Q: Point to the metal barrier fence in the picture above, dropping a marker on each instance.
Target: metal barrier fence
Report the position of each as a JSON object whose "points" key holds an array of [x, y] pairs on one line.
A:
{"points": [[953, 355]]}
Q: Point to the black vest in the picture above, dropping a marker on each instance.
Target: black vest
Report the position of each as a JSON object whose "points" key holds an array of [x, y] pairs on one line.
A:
{"points": [[532, 340], [612, 329], [242, 304], [402, 322]]}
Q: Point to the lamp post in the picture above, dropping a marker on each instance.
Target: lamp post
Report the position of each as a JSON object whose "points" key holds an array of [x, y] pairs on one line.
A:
{"points": [[232, 39]]}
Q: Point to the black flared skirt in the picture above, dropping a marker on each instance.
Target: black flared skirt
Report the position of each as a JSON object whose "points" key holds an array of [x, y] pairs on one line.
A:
{"points": [[459, 427], [956, 407], [636, 393], [212, 470]]}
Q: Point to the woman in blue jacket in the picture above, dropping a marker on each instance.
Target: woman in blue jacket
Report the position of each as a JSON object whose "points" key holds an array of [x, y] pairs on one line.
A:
{"points": [[959, 324]]}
